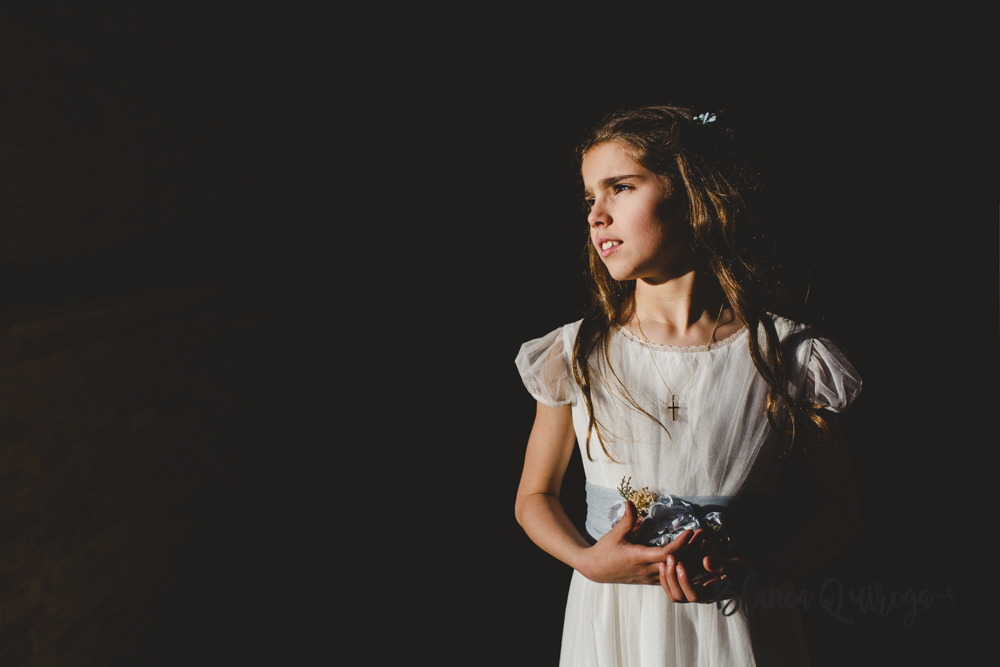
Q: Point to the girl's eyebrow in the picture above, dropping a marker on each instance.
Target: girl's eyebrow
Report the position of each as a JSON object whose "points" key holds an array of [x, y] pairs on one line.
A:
{"points": [[611, 180]]}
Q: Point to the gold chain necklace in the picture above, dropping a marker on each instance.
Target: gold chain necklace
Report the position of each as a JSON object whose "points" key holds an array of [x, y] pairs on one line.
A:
{"points": [[673, 407]]}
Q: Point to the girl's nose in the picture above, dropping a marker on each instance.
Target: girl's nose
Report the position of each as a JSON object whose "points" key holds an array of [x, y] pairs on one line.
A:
{"points": [[597, 216]]}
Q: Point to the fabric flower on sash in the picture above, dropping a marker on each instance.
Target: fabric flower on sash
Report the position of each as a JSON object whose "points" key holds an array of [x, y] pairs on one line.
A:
{"points": [[662, 519]]}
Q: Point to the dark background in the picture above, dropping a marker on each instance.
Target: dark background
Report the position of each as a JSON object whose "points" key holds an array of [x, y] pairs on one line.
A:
{"points": [[308, 242], [878, 172], [166, 416]]}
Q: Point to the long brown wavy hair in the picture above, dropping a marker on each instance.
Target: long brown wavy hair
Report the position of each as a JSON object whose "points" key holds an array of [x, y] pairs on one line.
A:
{"points": [[718, 178]]}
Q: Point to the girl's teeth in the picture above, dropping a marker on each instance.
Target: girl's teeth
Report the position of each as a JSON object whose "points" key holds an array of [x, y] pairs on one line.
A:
{"points": [[608, 244]]}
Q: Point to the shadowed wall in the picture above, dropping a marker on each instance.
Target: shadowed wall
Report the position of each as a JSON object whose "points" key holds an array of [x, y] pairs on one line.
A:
{"points": [[148, 359]]}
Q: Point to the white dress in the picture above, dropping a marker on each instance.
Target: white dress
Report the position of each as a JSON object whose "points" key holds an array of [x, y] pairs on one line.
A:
{"points": [[719, 445]]}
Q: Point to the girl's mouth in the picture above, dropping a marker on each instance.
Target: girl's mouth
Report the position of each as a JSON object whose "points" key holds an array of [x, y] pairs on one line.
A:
{"points": [[608, 247]]}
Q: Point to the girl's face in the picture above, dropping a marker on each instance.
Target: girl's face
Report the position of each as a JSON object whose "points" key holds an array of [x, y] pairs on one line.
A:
{"points": [[636, 224]]}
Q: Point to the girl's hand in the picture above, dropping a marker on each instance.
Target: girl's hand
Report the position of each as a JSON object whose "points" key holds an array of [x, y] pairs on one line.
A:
{"points": [[615, 560], [676, 578]]}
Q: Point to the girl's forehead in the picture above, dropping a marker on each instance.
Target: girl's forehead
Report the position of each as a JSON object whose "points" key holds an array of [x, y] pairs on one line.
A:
{"points": [[608, 159], [610, 152]]}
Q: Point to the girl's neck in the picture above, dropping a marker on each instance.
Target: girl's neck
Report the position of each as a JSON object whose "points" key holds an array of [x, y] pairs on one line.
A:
{"points": [[682, 311]]}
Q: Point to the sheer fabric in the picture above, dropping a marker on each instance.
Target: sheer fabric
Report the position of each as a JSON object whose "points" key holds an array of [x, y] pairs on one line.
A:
{"points": [[719, 444]]}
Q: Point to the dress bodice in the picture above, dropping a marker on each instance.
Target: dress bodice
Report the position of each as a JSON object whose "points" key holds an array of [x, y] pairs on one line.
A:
{"points": [[718, 441]]}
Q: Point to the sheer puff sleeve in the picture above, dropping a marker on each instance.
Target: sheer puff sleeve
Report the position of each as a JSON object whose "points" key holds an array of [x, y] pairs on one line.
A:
{"points": [[544, 365], [831, 380]]}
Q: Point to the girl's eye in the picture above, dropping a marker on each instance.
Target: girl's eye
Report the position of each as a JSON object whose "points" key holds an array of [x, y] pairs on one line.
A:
{"points": [[619, 187], [589, 203]]}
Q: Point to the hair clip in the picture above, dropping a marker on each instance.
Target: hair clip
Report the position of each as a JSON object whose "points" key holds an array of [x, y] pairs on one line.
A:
{"points": [[705, 118]]}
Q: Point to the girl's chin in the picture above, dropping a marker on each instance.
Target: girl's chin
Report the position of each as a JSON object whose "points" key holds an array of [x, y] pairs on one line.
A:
{"points": [[617, 273], [622, 276]]}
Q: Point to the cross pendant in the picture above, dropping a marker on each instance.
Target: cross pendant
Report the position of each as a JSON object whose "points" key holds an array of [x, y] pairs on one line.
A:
{"points": [[673, 407]]}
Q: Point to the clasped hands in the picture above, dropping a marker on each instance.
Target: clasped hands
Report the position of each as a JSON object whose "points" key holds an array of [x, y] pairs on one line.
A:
{"points": [[676, 567]]}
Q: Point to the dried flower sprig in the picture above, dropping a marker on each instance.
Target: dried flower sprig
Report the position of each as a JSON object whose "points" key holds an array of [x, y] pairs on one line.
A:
{"points": [[641, 498]]}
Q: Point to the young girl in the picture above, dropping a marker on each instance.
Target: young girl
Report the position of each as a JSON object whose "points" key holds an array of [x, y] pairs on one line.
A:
{"points": [[684, 394]]}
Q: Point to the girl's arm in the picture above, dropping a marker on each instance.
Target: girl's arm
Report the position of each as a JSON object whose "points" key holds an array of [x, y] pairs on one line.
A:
{"points": [[825, 471], [613, 559]]}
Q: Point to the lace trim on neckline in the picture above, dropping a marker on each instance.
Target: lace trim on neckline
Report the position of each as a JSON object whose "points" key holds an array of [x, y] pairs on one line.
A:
{"points": [[673, 348]]}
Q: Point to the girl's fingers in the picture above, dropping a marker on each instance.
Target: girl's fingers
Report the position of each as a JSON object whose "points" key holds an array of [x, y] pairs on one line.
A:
{"points": [[625, 524], [713, 565], [663, 579], [685, 584], [702, 539], [693, 592], [673, 588], [677, 545]]}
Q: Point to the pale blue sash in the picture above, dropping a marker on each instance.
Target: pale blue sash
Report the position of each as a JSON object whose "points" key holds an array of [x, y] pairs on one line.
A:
{"points": [[749, 520]]}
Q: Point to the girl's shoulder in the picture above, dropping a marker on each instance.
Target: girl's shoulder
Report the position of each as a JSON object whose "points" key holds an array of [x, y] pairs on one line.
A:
{"points": [[786, 327], [545, 365], [797, 339], [794, 334], [563, 336], [822, 368]]}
